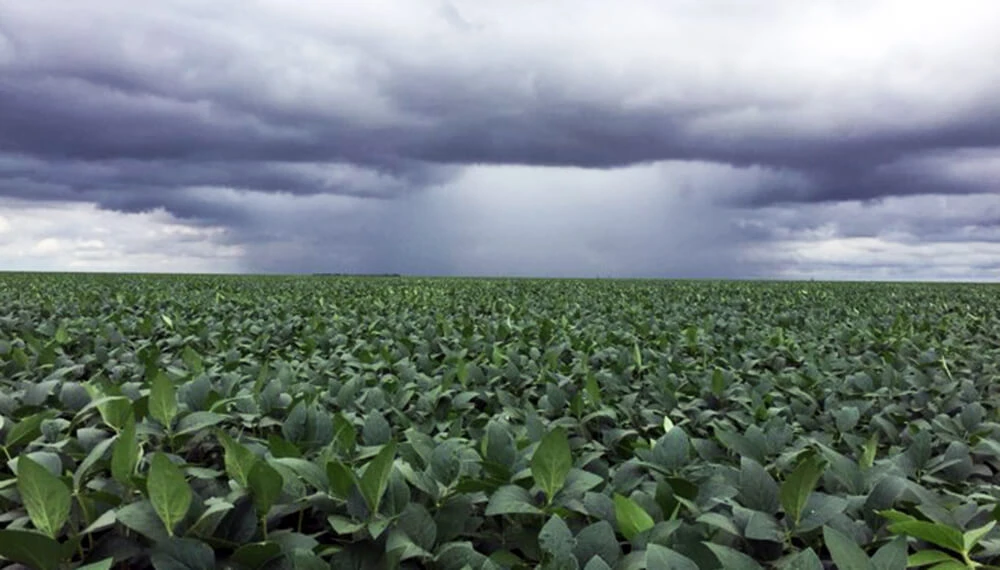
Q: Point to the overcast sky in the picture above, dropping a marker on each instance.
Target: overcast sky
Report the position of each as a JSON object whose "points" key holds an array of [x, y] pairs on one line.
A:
{"points": [[855, 139]]}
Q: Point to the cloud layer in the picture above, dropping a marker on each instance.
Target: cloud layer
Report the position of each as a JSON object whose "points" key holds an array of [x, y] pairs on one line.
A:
{"points": [[670, 138]]}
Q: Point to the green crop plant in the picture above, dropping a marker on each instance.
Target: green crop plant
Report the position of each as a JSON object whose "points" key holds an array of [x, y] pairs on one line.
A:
{"points": [[266, 422]]}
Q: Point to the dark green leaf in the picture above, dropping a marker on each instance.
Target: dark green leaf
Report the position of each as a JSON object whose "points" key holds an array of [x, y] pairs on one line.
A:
{"points": [[632, 519], [182, 554], [511, 500], [551, 462], [168, 491], [847, 555], [797, 487], [662, 558], [125, 454], [30, 548], [162, 399], [46, 498], [376, 476], [265, 484], [731, 559]]}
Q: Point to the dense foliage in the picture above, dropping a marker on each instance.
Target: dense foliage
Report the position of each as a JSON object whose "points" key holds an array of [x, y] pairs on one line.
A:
{"points": [[317, 422]]}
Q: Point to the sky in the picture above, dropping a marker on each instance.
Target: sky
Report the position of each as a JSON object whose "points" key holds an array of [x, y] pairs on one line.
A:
{"points": [[779, 139]]}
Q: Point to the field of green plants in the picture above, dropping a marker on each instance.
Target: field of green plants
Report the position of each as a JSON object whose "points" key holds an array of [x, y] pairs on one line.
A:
{"points": [[197, 422]]}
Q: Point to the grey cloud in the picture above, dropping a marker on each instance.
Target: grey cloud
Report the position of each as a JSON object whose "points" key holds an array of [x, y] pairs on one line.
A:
{"points": [[320, 135]]}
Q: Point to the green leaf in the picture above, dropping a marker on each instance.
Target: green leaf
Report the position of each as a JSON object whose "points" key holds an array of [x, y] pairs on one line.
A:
{"points": [[762, 526], [758, 490], [99, 565], [27, 430], [46, 498], [343, 526], [799, 484], [934, 533], [282, 448], [142, 518], [265, 484], [182, 554], [197, 421], [598, 539], [927, 557], [731, 559], [971, 538], [340, 478], [803, 560], [891, 556], [632, 519], [662, 558], [672, 450], [96, 454], [255, 554], [511, 500], [192, 360], [238, 459], [125, 454], [418, 525], [376, 476], [596, 563], [30, 548], [847, 555], [345, 436], [551, 462], [162, 399], [168, 491], [870, 450], [556, 540]]}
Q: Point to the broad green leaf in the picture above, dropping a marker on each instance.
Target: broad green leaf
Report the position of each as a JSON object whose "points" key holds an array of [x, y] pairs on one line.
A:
{"points": [[26, 430], [256, 554], [238, 459], [971, 538], [162, 399], [934, 533], [376, 476], [662, 558], [672, 450], [731, 559], [100, 565], [598, 539], [91, 460], [803, 560], [556, 540], [168, 491], [345, 436], [799, 484], [847, 555], [341, 479], [343, 526], [265, 485], [182, 554], [33, 549], [511, 500], [125, 453], [418, 525], [927, 557], [46, 498], [551, 462], [891, 556], [596, 563], [142, 518], [197, 421], [632, 519], [758, 490]]}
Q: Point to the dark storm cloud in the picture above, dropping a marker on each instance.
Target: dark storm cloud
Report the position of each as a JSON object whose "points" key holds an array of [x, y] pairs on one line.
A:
{"points": [[200, 107], [320, 132]]}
